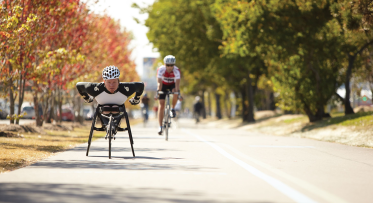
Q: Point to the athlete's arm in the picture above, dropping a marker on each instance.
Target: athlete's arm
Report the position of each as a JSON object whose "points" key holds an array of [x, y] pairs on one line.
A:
{"points": [[177, 85], [139, 89], [86, 89], [177, 78], [160, 84]]}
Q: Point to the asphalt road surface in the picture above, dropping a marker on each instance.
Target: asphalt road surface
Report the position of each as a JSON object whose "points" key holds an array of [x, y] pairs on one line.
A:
{"points": [[197, 164]]}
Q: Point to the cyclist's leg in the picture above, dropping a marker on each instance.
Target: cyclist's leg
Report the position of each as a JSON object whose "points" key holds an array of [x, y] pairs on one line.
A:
{"points": [[174, 99], [161, 111], [113, 112]]}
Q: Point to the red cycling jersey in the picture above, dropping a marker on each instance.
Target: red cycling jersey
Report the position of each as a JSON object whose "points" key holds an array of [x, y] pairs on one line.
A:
{"points": [[168, 78]]}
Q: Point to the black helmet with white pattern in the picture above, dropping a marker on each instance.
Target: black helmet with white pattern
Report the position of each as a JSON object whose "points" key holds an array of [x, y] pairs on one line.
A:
{"points": [[169, 59], [110, 72]]}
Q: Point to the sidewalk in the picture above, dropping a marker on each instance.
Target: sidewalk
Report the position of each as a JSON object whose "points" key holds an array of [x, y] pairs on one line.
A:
{"points": [[298, 126]]}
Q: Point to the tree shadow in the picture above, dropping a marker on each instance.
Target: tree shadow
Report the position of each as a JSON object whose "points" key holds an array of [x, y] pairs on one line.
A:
{"points": [[116, 163], [44, 192], [258, 120], [333, 121]]}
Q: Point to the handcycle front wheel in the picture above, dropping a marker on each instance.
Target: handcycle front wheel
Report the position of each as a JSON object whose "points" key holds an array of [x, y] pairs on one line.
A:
{"points": [[110, 136]]}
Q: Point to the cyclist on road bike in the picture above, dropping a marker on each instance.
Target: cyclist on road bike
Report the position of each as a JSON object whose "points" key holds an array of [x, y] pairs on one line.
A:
{"points": [[168, 78], [110, 91]]}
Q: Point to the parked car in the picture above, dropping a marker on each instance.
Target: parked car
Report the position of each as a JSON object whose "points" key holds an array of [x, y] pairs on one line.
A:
{"points": [[3, 112], [30, 111], [5, 108], [67, 114], [88, 113]]}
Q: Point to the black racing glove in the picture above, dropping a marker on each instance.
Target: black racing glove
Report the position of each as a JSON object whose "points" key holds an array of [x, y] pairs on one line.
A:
{"points": [[89, 100], [135, 100]]}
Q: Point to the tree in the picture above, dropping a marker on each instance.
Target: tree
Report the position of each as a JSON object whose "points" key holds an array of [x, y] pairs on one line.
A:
{"points": [[303, 60], [356, 19]]}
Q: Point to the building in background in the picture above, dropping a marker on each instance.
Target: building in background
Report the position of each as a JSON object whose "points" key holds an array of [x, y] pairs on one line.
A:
{"points": [[149, 74]]}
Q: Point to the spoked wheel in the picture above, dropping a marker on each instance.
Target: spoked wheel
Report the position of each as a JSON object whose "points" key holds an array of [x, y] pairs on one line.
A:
{"points": [[166, 123], [110, 137], [91, 133]]}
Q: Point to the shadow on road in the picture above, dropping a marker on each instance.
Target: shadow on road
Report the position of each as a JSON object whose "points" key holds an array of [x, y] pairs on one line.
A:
{"points": [[118, 164], [39, 193]]}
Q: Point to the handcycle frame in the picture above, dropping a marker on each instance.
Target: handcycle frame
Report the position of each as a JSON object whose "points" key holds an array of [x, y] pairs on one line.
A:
{"points": [[166, 116], [112, 126]]}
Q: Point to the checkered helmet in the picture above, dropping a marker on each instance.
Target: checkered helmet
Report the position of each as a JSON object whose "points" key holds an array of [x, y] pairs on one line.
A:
{"points": [[110, 72]]}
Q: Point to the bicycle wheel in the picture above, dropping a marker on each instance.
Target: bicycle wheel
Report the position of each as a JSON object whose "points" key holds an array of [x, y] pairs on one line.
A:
{"points": [[167, 117], [110, 136]]}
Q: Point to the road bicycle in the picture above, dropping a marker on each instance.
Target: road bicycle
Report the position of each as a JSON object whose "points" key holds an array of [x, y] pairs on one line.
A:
{"points": [[110, 123], [167, 117]]}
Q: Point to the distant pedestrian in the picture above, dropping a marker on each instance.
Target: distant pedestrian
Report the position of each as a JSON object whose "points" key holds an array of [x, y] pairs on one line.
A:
{"points": [[197, 108]]}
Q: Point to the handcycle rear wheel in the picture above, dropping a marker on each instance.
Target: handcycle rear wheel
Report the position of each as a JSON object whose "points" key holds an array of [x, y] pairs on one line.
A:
{"points": [[110, 136]]}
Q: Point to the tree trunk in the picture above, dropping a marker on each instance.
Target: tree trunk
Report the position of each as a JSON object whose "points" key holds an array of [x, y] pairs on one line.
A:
{"points": [[311, 117], [21, 96], [59, 103], [243, 102], [347, 103], [80, 116], [226, 106], [203, 103], [250, 97], [272, 103], [47, 100], [39, 122], [11, 97], [218, 108], [11, 100], [209, 102], [351, 60], [50, 114]]}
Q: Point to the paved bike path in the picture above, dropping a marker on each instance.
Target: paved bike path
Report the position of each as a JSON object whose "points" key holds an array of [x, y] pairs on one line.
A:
{"points": [[197, 165]]}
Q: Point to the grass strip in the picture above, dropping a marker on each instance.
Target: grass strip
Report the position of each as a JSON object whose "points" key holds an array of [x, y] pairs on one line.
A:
{"points": [[32, 147]]}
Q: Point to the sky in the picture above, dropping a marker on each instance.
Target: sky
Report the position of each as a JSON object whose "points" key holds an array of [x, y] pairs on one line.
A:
{"points": [[122, 10]]}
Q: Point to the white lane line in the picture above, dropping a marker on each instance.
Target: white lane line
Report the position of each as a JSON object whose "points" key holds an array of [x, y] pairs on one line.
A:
{"points": [[285, 189], [273, 146], [142, 172], [305, 185]]}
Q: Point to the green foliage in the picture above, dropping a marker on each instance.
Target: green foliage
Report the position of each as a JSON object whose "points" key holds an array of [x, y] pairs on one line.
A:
{"points": [[299, 41]]}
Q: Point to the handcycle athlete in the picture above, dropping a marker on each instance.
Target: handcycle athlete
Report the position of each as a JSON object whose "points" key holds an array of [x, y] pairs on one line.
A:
{"points": [[111, 94], [168, 79]]}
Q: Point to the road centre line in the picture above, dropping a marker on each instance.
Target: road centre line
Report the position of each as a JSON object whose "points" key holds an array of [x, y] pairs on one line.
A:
{"points": [[305, 185], [282, 187], [273, 146]]}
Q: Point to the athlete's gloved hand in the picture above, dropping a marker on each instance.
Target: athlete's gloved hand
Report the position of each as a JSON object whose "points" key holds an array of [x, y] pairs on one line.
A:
{"points": [[135, 101], [156, 96], [89, 100]]}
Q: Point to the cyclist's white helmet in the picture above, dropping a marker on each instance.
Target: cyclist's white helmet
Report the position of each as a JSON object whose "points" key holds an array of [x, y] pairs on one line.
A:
{"points": [[169, 59], [110, 72]]}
